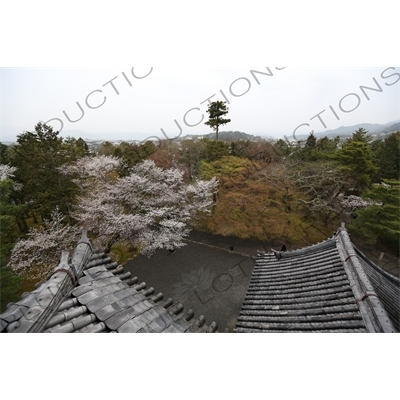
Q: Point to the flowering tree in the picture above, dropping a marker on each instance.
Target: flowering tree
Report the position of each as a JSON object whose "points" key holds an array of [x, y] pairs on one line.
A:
{"points": [[6, 172], [90, 172], [36, 255], [353, 203], [151, 207]]}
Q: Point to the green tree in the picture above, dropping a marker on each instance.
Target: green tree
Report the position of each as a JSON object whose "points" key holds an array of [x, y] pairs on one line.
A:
{"points": [[237, 148], [106, 149], [387, 153], [9, 287], [9, 232], [39, 156], [190, 154], [4, 158], [380, 223], [215, 150], [217, 110], [311, 141], [134, 153], [74, 149], [328, 145], [358, 160], [12, 222], [308, 151], [282, 148]]}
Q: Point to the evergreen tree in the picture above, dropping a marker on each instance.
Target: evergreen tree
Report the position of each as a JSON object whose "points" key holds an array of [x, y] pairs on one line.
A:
{"points": [[311, 141], [380, 222], [387, 154], [217, 110], [327, 146], [308, 151], [9, 214], [38, 156], [358, 159], [133, 153], [215, 150], [282, 148]]}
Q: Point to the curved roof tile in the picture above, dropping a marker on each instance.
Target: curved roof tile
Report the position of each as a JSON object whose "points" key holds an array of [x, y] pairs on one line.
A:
{"points": [[90, 293], [327, 287]]}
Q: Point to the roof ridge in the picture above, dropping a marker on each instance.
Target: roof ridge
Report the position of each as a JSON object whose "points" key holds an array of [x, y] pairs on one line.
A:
{"points": [[374, 314]]}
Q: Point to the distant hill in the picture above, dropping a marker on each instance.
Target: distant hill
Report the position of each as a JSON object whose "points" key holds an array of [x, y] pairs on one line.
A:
{"points": [[371, 128], [225, 135], [392, 128]]}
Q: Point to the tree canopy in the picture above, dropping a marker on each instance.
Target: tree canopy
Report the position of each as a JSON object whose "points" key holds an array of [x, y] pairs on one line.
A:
{"points": [[217, 110], [148, 196]]}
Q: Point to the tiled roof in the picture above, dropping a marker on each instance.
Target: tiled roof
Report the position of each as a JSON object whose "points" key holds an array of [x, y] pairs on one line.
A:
{"points": [[386, 286], [328, 287], [90, 293]]}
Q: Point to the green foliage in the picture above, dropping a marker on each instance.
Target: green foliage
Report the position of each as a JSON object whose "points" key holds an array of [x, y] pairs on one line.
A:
{"points": [[381, 223], [215, 150], [190, 154], [133, 153], [327, 146], [229, 169], [358, 160], [311, 141], [9, 232], [238, 148], [12, 222], [4, 154], [73, 149], [251, 206], [318, 149], [387, 155], [217, 110], [282, 147], [106, 149], [38, 157], [264, 193], [9, 287]]}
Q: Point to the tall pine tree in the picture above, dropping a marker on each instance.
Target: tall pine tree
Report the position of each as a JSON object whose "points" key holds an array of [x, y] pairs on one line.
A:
{"points": [[217, 110], [358, 160]]}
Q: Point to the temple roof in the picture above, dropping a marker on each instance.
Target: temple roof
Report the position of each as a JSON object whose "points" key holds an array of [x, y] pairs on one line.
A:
{"points": [[327, 287], [90, 293]]}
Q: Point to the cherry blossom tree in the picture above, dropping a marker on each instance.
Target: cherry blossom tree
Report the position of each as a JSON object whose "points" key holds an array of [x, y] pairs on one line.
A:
{"points": [[6, 172], [353, 203], [151, 207], [35, 256], [89, 172]]}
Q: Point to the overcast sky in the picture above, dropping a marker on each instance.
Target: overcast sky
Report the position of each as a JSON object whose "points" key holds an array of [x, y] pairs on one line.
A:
{"points": [[137, 102]]}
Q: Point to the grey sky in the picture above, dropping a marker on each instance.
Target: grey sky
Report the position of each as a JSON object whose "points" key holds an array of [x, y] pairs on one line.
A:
{"points": [[267, 101]]}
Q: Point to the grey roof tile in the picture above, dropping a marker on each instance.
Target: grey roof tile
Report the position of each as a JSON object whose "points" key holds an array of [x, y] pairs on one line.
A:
{"points": [[312, 289], [101, 297]]}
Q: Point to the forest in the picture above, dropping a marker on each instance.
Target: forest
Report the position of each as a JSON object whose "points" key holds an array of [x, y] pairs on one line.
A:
{"points": [[138, 197]]}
